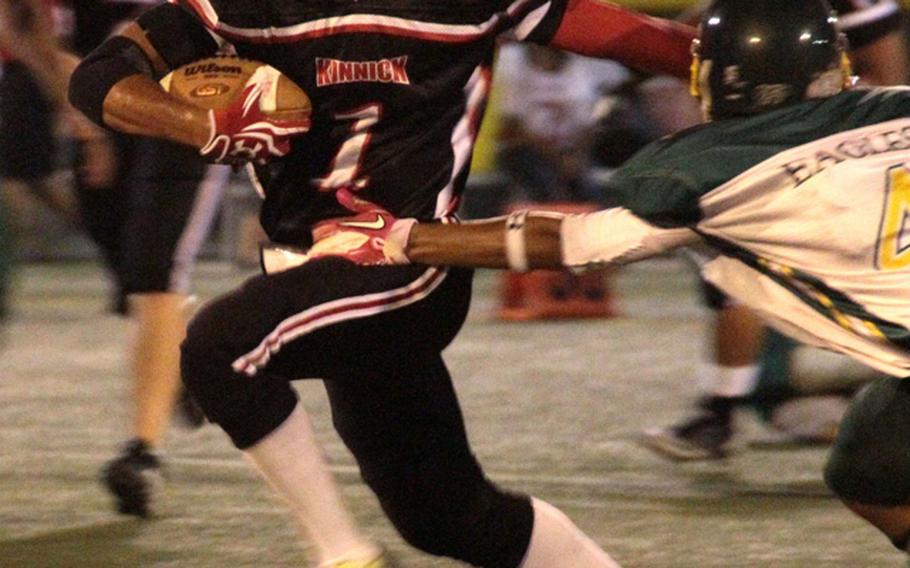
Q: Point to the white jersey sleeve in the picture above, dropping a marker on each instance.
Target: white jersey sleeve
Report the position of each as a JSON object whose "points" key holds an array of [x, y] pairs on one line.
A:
{"points": [[615, 236]]}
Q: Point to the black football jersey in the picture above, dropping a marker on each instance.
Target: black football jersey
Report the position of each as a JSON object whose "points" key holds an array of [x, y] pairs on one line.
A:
{"points": [[398, 90]]}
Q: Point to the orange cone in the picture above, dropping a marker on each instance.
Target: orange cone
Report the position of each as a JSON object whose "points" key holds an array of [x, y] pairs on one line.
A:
{"points": [[556, 294]]}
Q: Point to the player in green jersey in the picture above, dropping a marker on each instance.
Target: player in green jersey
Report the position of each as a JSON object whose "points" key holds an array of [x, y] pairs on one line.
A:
{"points": [[800, 392]]}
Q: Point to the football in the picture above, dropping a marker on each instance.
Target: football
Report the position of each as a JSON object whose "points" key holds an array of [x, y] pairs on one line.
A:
{"points": [[215, 82]]}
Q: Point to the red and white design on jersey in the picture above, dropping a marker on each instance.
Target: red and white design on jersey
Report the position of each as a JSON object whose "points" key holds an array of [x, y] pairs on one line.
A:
{"points": [[464, 135], [399, 89], [372, 23], [398, 94]]}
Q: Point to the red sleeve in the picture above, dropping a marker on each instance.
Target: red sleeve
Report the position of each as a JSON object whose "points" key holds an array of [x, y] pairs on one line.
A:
{"points": [[599, 29]]}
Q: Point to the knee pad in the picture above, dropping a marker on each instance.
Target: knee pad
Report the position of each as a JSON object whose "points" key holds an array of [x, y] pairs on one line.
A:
{"points": [[455, 512], [869, 462]]}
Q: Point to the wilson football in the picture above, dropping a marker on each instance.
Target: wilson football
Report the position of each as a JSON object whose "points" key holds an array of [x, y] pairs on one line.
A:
{"points": [[215, 82]]}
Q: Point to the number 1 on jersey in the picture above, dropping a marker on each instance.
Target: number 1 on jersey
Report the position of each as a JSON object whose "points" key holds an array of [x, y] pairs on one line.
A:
{"points": [[894, 236], [346, 165]]}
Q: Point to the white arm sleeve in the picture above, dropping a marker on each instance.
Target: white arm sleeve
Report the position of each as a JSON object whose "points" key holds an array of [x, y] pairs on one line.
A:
{"points": [[615, 236]]}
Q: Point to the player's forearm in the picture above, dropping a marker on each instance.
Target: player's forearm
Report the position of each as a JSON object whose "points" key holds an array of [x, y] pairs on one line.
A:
{"points": [[115, 86], [528, 240], [138, 105], [600, 29], [483, 244]]}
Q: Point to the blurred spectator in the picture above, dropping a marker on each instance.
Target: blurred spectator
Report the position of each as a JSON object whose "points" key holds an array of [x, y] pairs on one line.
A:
{"points": [[547, 121], [628, 116], [623, 125], [149, 209], [150, 221], [32, 87]]}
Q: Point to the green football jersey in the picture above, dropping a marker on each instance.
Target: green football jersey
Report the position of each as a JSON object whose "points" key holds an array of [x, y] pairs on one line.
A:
{"points": [[664, 182], [809, 208]]}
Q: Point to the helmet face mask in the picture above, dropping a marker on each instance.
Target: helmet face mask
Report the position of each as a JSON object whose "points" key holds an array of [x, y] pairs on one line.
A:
{"points": [[756, 55]]}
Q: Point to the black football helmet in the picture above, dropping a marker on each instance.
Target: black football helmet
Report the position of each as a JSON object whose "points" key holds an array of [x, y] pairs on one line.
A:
{"points": [[755, 55]]}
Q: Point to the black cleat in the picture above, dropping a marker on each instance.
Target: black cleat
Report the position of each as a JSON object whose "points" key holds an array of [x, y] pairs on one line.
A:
{"points": [[132, 478], [703, 437]]}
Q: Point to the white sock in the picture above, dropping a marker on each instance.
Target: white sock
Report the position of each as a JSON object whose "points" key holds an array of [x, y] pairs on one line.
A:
{"points": [[728, 382], [292, 463], [556, 542]]}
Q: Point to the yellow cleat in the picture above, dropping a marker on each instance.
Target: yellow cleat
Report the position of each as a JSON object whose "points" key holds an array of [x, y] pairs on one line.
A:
{"points": [[379, 562]]}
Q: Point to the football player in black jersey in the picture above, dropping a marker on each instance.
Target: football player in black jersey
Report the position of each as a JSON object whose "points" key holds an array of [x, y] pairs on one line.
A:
{"points": [[398, 91], [730, 185]]}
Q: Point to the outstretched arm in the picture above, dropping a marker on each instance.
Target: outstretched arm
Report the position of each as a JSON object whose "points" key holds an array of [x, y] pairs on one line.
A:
{"points": [[600, 29], [483, 243], [521, 241], [527, 240]]}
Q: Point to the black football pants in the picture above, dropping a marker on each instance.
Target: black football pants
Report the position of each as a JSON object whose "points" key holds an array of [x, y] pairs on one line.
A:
{"points": [[374, 334]]}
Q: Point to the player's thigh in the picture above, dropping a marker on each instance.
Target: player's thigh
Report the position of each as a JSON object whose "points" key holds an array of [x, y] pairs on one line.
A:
{"points": [[869, 462], [330, 315]]}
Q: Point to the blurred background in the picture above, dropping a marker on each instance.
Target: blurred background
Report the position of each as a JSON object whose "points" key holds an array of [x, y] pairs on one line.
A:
{"points": [[556, 406]]}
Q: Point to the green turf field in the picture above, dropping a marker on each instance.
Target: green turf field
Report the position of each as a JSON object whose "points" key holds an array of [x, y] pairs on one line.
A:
{"points": [[552, 408]]}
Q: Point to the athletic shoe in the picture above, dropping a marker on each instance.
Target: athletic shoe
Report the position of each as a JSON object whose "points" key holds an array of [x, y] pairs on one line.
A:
{"points": [[382, 561], [704, 437], [377, 563], [132, 478]]}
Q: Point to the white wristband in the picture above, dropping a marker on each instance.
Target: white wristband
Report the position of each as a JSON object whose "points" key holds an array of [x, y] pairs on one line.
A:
{"points": [[396, 243], [516, 246]]}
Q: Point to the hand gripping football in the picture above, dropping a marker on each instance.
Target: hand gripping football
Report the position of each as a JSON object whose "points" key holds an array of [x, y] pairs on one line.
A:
{"points": [[215, 83], [254, 110]]}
